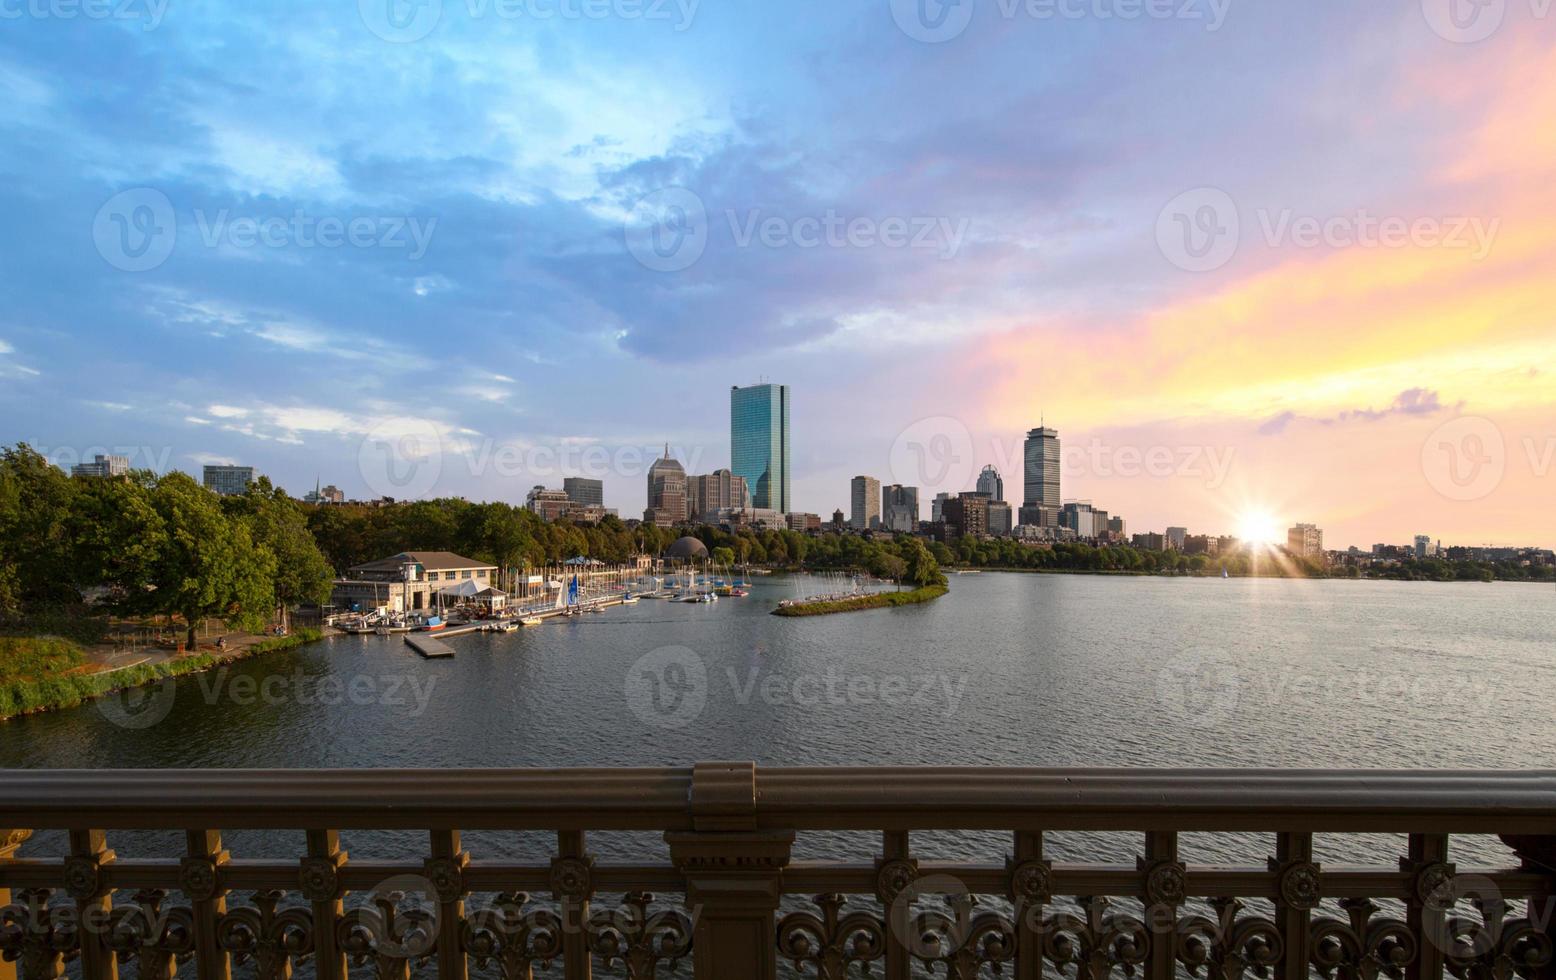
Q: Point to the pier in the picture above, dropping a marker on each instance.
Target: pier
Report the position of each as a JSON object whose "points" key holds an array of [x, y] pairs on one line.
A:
{"points": [[429, 647]]}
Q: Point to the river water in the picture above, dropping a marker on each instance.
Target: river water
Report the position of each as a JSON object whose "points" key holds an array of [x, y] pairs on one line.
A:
{"points": [[1009, 669]]}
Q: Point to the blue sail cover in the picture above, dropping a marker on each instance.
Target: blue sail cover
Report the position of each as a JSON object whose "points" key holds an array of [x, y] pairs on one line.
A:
{"points": [[572, 590]]}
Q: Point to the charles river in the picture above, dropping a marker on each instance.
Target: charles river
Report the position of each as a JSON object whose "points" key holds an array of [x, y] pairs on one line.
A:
{"points": [[1009, 669]]}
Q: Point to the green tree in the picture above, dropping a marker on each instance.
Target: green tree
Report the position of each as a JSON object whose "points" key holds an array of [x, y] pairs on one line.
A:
{"points": [[301, 572]]}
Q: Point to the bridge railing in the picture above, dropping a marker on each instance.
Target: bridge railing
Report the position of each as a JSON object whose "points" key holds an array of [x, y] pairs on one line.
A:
{"points": [[745, 910]]}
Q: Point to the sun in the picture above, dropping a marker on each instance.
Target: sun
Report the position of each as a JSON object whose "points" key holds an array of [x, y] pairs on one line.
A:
{"points": [[1258, 527]]}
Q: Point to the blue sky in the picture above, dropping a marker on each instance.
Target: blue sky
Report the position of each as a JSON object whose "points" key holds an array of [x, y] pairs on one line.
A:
{"points": [[492, 171]]}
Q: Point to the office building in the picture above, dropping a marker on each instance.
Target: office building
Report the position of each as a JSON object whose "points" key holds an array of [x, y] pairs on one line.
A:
{"points": [[548, 505], [804, 522], [899, 508], [937, 508], [866, 506], [666, 492], [584, 491], [1117, 528], [968, 515], [1040, 488], [1000, 518], [103, 466], [1305, 541], [719, 490], [1423, 546], [991, 483], [759, 443], [1177, 537], [228, 480]]}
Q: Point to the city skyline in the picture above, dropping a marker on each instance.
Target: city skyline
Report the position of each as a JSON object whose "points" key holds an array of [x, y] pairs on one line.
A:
{"points": [[504, 273]]}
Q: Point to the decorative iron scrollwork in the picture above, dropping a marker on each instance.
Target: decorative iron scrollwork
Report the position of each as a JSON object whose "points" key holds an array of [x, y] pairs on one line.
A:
{"points": [[318, 878], [893, 877], [637, 940], [515, 939], [1434, 885], [156, 940], [831, 942], [1165, 883], [1097, 943], [962, 942], [1363, 946], [1496, 947], [391, 938], [447, 875], [1031, 883], [1230, 945], [1298, 883], [274, 939], [572, 879], [37, 938], [199, 878]]}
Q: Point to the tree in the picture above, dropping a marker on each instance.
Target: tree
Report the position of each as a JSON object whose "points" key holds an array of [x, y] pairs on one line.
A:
{"points": [[207, 563], [35, 556], [301, 574]]}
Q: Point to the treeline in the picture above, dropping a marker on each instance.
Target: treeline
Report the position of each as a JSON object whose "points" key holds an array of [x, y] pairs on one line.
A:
{"points": [[147, 545]]}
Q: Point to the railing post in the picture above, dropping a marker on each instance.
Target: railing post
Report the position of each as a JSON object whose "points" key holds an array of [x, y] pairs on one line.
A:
{"points": [[1031, 889], [446, 871], [10, 840], [572, 885], [895, 872], [1164, 888], [1431, 895], [1538, 854], [734, 875], [1297, 893], [200, 879], [320, 876], [89, 854]]}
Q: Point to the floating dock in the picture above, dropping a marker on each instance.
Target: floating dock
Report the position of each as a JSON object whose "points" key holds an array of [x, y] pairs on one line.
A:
{"points": [[429, 647]]}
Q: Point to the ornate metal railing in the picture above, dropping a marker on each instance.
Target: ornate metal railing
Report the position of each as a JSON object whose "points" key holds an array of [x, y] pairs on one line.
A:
{"points": [[746, 906]]}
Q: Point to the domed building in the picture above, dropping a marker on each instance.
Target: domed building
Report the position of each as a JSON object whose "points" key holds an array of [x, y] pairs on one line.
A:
{"points": [[666, 492], [687, 549]]}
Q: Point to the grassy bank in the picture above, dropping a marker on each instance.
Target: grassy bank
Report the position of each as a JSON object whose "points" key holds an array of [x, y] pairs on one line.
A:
{"points": [[46, 673], [875, 600]]}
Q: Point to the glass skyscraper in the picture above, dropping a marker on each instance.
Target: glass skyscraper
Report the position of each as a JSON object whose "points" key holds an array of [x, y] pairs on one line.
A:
{"points": [[759, 443]]}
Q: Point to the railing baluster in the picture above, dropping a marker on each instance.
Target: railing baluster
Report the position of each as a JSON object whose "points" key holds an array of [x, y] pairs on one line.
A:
{"points": [[446, 871], [1425, 908], [1030, 890], [572, 886], [10, 840], [200, 880], [321, 886], [1297, 894], [1164, 892], [84, 882], [896, 862]]}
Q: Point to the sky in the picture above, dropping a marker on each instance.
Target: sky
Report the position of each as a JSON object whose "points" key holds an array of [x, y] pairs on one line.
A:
{"points": [[1257, 263]]}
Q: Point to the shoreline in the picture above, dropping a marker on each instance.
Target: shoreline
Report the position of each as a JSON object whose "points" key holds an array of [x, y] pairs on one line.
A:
{"points": [[1126, 573], [875, 600], [20, 698]]}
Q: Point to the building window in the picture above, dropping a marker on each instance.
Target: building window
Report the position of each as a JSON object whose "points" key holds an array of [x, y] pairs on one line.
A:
{"points": [[463, 574]]}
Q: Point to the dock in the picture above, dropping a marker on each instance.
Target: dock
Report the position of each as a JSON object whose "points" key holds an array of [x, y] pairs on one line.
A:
{"points": [[429, 647]]}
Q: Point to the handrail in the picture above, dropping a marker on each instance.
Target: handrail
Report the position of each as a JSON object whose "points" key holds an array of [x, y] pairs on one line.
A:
{"points": [[1508, 802]]}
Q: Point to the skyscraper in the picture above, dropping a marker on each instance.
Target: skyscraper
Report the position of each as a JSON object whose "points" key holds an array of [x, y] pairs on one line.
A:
{"points": [[899, 508], [666, 492], [759, 443], [866, 503], [1040, 490], [991, 483], [581, 490]]}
